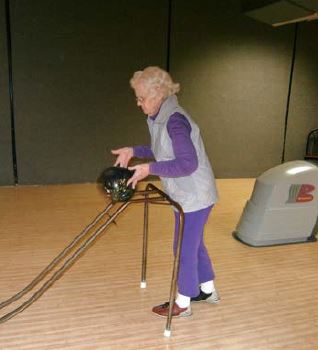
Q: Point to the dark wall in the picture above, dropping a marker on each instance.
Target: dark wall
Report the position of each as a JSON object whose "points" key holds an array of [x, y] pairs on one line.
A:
{"points": [[6, 165], [235, 77], [303, 110], [72, 62]]}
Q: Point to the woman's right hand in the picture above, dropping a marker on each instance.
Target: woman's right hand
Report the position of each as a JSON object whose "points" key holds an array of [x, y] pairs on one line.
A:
{"points": [[123, 156]]}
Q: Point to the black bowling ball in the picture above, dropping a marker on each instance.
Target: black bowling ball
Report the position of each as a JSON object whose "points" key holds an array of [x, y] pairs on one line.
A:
{"points": [[114, 181]]}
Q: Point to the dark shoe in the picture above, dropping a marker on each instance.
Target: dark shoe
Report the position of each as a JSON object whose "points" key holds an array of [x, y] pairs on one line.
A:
{"points": [[163, 310], [212, 298]]}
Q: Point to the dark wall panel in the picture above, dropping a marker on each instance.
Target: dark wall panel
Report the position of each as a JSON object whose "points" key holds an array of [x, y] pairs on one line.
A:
{"points": [[6, 166], [303, 111], [234, 73], [72, 64]]}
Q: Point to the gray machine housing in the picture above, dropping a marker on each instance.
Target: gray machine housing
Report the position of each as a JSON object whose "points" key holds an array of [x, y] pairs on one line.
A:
{"points": [[283, 207]]}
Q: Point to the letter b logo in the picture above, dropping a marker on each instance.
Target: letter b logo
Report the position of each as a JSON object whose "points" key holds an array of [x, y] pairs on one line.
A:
{"points": [[300, 193]]}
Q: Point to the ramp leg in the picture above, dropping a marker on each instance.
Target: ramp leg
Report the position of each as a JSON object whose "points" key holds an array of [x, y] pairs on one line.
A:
{"points": [[143, 282], [174, 279]]}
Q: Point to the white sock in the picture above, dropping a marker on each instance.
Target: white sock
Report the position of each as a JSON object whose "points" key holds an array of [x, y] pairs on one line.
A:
{"points": [[207, 287], [183, 301]]}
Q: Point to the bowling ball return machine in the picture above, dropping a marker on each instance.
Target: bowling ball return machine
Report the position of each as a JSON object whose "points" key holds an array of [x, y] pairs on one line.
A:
{"points": [[283, 207], [114, 181]]}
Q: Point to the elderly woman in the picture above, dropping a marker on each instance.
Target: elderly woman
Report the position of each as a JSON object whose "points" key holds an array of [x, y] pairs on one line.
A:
{"points": [[186, 175]]}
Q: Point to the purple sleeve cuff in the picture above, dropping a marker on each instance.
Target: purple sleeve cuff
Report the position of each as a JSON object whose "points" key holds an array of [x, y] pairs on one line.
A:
{"points": [[143, 151]]}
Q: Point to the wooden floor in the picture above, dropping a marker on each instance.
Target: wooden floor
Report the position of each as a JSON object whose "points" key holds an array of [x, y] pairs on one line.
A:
{"points": [[269, 295]]}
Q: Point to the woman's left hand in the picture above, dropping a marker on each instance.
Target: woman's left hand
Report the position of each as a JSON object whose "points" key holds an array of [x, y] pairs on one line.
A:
{"points": [[141, 171]]}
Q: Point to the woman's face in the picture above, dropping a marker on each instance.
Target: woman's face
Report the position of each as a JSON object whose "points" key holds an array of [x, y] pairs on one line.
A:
{"points": [[149, 103]]}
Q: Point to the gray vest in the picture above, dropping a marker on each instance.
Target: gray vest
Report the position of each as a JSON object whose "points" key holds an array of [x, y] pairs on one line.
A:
{"points": [[196, 191]]}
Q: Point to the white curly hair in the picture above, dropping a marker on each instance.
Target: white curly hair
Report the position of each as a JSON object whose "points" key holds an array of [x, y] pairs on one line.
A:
{"points": [[155, 80]]}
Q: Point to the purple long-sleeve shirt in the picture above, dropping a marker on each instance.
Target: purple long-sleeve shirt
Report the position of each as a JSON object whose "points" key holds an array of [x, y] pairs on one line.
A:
{"points": [[185, 161]]}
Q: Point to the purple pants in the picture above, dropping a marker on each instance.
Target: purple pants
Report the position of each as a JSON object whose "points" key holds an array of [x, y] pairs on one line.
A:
{"points": [[195, 264]]}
